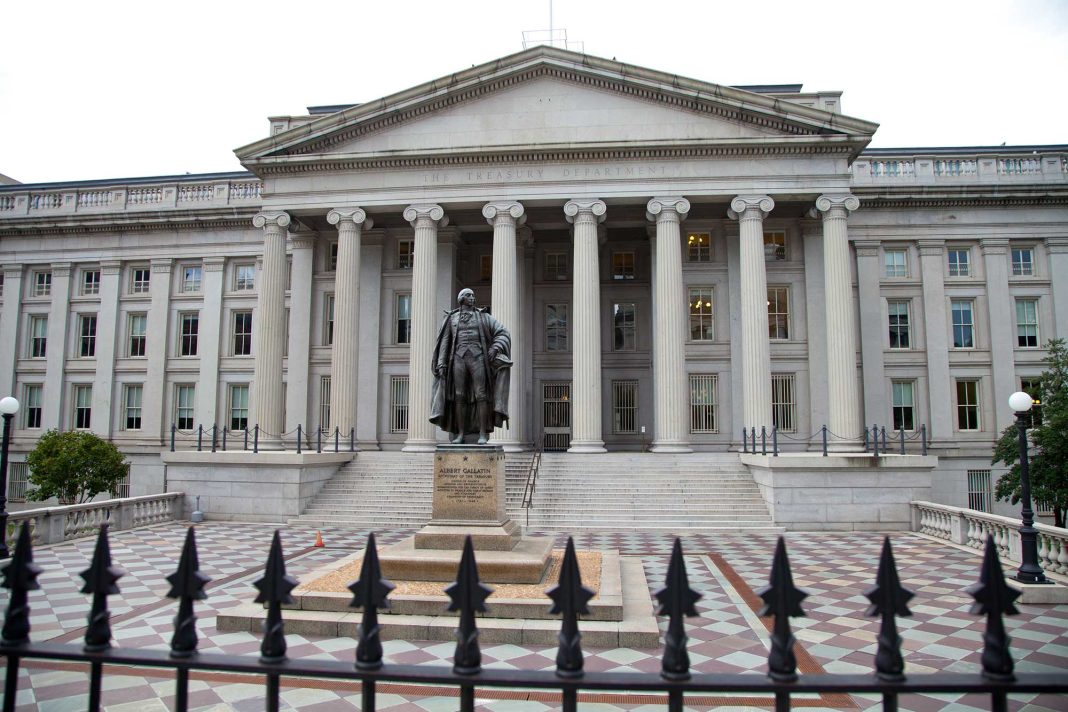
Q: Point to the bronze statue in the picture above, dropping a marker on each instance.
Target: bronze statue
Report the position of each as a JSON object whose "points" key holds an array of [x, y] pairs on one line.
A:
{"points": [[472, 368]]}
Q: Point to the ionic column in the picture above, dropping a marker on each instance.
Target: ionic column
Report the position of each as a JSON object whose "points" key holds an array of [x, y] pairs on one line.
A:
{"points": [[504, 300], [269, 332], [843, 404], [425, 219], [586, 345], [344, 380], [669, 328], [750, 211]]}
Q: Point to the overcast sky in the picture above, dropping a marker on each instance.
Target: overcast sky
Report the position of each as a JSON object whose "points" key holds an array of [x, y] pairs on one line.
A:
{"points": [[106, 89]]}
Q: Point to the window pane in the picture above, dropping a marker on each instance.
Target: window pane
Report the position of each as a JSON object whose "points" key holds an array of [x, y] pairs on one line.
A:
{"points": [[87, 337], [703, 403], [138, 327], [405, 254], [139, 280], [967, 405], [133, 407], [775, 245], [898, 315], [38, 336], [242, 333], [1026, 322], [184, 402], [190, 327], [1023, 261], [91, 282], [959, 263], [963, 326], [623, 328], [556, 327], [622, 265], [699, 247], [896, 262], [33, 406], [555, 266], [239, 407], [404, 318], [398, 404], [83, 407], [702, 325], [783, 404], [624, 406], [903, 406], [778, 313], [191, 278], [244, 277]]}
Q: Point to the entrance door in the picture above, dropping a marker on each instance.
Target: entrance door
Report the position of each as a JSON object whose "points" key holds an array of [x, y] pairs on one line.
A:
{"points": [[556, 415]]}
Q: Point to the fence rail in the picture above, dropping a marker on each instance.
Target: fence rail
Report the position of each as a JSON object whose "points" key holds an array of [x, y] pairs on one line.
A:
{"points": [[765, 441], [51, 525], [221, 438]]}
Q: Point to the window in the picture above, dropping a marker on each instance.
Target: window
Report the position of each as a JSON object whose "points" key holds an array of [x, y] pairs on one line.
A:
{"points": [[900, 330], [702, 322], [980, 493], [122, 487], [242, 333], [1033, 388], [959, 262], [622, 265], [775, 245], [244, 277], [239, 407], [778, 312], [485, 268], [703, 403], [1027, 323], [699, 247], [324, 403], [139, 280], [624, 330], [184, 402], [967, 404], [896, 263], [556, 327], [91, 282], [624, 407], [132, 407], [137, 329], [404, 318], [963, 324], [83, 407], [398, 404], [783, 402], [38, 336], [1, 283], [32, 397], [405, 255], [328, 320], [42, 284], [331, 259], [555, 266], [189, 326], [1023, 261], [191, 275], [904, 407], [87, 336]]}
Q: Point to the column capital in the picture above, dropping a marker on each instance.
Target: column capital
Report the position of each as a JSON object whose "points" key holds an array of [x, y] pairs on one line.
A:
{"points": [[1057, 245], [271, 219], [505, 209], [866, 248], [994, 245], [110, 266], [932, 248], [214, 264], [596, 209], [658, 208], [12, 271], [61, 269], [828, 202], [743, 204], [356, 216], [162, 265], [426, 212]]}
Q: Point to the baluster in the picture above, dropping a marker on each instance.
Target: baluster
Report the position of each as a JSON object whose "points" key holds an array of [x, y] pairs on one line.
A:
{"points": [[888, 599], [370, 592], [468, 596], [570, 599], [20, 577], [187, 585], [676, 600], [1062, 557], [275, 588], [994, 598]]}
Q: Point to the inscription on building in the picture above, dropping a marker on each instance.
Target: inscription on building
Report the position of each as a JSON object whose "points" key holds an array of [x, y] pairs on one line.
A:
{"points": [[550, 173]]}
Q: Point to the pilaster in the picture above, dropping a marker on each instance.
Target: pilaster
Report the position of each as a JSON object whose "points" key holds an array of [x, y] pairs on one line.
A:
{"points": [[269, 332], [10, 327], [57, 348], [936, 334], [1002, 327], [505, 217], [344, 361], [106, 321], [214, 335], [873, 330], [154, 415], [1057, 248], [300, 317], [370, 319]]}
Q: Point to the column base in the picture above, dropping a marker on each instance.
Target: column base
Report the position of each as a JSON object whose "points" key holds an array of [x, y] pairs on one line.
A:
{"points": [[587, 446], [419, 445], [670, 447], [270, 444]]}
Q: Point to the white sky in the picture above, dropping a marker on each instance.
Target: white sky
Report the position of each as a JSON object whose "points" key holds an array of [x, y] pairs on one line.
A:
{"points": [[106, 89]]}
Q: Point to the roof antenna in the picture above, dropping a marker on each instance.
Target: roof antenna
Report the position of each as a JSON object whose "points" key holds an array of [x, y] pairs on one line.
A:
{"points": [[554, 37]]}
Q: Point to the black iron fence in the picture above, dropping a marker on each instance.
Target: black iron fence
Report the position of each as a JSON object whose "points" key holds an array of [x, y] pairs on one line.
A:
{"points": [[782, 600], [765, 441], [215, 438]]}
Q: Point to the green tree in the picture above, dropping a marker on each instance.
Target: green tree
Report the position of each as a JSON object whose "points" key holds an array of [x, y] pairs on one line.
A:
{"points": [[1048, 455], [73, 466]]}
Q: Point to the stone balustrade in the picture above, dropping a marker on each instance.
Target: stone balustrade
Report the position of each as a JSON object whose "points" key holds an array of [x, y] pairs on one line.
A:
{"points": [[971, 528], [976, 167], [51, 525]]}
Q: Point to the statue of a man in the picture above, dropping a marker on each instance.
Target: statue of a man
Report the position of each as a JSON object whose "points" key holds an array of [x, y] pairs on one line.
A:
{"points": [[472, 367]]}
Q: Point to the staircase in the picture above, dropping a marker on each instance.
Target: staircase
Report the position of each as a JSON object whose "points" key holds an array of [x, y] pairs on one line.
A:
{"points": [[621, 491]]}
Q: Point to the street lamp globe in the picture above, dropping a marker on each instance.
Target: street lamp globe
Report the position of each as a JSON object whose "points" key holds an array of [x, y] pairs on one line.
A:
{"points": [[1021, 402], [8, 406]]}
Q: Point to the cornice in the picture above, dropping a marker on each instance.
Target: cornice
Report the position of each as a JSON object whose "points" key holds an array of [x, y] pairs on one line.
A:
{"points": [[993, 201], [124, 222]]}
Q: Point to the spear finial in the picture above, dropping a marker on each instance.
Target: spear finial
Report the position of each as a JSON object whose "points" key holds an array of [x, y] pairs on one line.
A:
{"points": [[994, 598], [782, 600], [187, 585], [888, 599], [370, 592], [100, 580], [468, 596], [569, 598], [20, 576], [275, 588]]}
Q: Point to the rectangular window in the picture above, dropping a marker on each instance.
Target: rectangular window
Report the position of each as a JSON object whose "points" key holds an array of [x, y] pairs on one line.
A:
{"points": [[624, 328], [980, 492], [702, 322], [328, 320], [959, 262], [1, 283], [904, 405], [404, 318], [555, 266], [132, 405], [896, 263], [244, 277], [703, 403], [188, 330], [775, 245], [485, 268], [242, 333], [1033, 388], [139, 279], [1027, 323], [137, 330], [624, 406], [83, 407], [184, 403], [398, 404], [778, 312], [900, 330], [699, 247], [32, 397], [963, 324], [324, 403], [331, 259], [191, 275], [87, 335], [967, 404], [238, 407], [622, 265], [1023, 261], [405, 255], [91, 282], [783, 402], [42, 284], [556, 327], [122, 487], [38, 336]]}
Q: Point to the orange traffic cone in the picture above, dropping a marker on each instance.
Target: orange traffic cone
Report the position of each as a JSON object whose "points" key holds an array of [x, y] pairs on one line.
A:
{"points": [[319, 539]]}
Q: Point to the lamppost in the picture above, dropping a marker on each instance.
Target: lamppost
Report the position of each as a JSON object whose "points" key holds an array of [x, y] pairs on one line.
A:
{"points": [[1029, 571], [8, 407]]}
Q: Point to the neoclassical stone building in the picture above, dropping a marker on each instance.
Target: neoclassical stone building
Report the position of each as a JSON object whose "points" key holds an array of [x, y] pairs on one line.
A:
{"points": [[677, 260]]}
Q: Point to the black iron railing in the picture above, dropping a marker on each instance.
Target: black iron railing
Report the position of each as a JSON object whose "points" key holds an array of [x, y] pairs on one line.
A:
{"points": [[531, 484], [765, 441], [215, 438], [782, 600]]}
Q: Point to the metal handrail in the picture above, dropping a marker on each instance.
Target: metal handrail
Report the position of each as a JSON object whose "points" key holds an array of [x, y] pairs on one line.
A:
{"points": [[532, 482]]}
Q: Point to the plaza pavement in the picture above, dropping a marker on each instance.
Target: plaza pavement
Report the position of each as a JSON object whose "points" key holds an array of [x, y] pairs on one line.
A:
{"points": [[727, 636]]}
